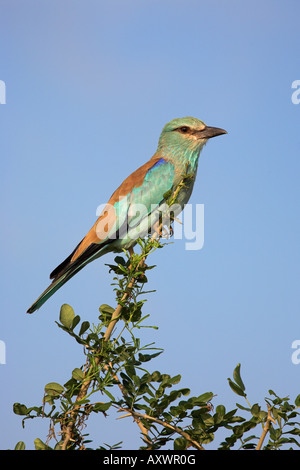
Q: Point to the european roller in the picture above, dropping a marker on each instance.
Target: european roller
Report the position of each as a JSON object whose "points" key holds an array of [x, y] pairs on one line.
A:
{"points": [[136, 205]]}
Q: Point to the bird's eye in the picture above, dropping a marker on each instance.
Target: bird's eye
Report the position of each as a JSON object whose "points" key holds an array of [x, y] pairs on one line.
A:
{"points": [[184, 129]]}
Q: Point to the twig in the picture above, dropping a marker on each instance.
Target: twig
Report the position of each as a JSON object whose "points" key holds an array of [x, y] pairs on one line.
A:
{"points": [[266, 428], [184, 434]]}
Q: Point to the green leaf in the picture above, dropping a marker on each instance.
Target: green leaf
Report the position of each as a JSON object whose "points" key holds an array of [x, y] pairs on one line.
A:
{"points": [[75, 321], [176, 379], [220, 410], [109, 394], [148, 357], [198, 413], [101, 407], [54, 389], [262, 415], [130, 370], [58, 445], [20, 409], [255, 410], [77, 374], [40, 445], [297, 400], [247, 439], [156, 376], [208, 419], [249, 446], [120, 260], [205, 397], [180, 443], [66, 315], [48, 399], [237, 377], [84, 326], [106, 310], [230, 415], [242, 407], [274, 433], [236, 388], [20, 445]]}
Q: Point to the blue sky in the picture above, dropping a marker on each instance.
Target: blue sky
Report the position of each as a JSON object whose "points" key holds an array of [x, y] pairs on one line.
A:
{"points": [[89, 86]]}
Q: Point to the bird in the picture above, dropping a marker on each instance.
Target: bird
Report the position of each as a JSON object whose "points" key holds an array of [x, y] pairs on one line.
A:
{"points": [[134, 207]]}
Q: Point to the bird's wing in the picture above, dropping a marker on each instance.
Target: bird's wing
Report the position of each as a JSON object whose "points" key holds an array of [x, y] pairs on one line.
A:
{"points": [[146, 186], [144, 189]]}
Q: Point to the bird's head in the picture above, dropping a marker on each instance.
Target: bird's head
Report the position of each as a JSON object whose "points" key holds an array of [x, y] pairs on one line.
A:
{"points": [[186, 134]]}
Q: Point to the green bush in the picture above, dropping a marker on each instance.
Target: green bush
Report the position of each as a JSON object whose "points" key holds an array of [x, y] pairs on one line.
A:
{"points": [[114, 366]]}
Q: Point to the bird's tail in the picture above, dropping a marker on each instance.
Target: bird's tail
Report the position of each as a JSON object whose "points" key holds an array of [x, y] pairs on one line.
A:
{"points": [[54, 286], [65, 271]]}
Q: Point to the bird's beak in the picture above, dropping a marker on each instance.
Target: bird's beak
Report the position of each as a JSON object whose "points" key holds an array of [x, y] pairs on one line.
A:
{"points": [[209, 132]]}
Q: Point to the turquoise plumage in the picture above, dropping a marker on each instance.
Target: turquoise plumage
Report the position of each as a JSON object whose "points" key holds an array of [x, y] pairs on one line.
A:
{"points": [[134, 207]]}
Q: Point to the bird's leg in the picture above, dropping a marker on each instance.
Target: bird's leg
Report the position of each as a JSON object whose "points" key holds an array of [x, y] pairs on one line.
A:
{"points": [[171, 221], [158, 228], [161, 230]]}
